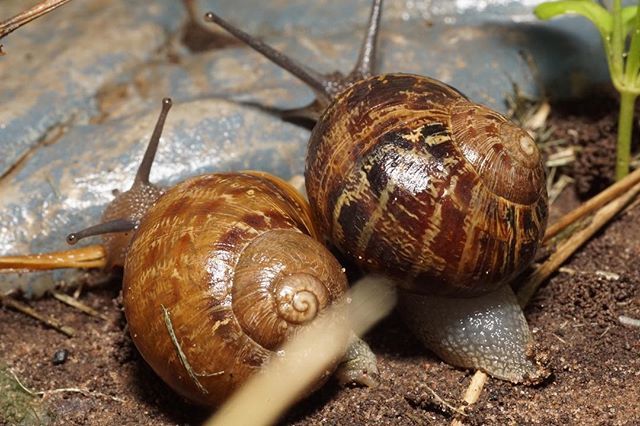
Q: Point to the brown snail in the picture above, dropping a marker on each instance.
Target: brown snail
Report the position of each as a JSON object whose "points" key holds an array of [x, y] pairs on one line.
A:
{"points": [[408, 177], [220, 271]]}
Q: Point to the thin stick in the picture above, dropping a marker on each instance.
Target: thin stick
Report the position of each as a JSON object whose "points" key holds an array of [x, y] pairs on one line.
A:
{"points": [[592, 204], [308, 355], [84, 392], [23, 387], [74, 303], [632, 322], [43, 394], [182, 357], [29, 15], [601, 218], [472, 394], [27, 310], [544, 271], [444, 403], [85, 257]]}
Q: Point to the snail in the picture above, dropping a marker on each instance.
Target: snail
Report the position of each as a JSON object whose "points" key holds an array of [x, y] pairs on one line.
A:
{"points": [[409, 178], [220, 271]]}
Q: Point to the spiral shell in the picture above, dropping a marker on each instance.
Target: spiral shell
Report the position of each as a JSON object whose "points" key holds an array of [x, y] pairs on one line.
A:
{"points": [[220, 272], [408, 177]]}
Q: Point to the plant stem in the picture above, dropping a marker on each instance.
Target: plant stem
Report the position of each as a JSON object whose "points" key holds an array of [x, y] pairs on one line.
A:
{"points": [[617, 41], [625, 126]]}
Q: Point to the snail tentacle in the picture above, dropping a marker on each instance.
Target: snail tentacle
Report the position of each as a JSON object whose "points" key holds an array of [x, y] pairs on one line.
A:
{"points": [[367, 56], [359, 365], [123, 214], [327, 87]]}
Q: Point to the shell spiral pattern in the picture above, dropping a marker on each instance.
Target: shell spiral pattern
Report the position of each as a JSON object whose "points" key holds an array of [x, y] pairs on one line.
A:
{"points": [[228, 260], [395, 188]]}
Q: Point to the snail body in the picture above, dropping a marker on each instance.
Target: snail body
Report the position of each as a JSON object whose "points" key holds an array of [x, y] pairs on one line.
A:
{"points": [[409, 178], [219, 272], [231, 260]]}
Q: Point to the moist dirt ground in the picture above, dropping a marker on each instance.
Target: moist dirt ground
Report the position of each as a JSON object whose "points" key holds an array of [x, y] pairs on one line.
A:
{"points": [[594, 357]]}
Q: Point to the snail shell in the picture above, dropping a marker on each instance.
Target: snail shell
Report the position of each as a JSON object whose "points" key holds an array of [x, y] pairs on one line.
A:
{"points": [[228, 265], [410, 178]]}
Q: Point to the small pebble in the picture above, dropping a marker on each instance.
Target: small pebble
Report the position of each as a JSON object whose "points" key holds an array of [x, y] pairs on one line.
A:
{"points": [[60, 356]]}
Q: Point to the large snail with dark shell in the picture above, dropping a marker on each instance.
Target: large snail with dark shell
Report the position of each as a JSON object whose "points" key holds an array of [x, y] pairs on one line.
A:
{"points": [[409, 178], [219, 272]]}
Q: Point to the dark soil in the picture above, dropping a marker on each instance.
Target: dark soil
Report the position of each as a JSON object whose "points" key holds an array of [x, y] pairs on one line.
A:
{"points": [[595, 359]]}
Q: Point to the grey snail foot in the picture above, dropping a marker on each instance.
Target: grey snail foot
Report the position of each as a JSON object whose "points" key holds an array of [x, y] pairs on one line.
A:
{"points": [[358, 366], [488, 333]]}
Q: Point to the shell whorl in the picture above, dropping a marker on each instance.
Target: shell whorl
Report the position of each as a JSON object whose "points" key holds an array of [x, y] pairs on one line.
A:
{"points": [[396, 187], [300, 297], [490, 143], [283, 280], [206, 253]]}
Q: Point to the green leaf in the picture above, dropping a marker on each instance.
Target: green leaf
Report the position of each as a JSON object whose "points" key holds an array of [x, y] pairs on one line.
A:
{"points": [[632, 65], [597, 14], [628, 18]]}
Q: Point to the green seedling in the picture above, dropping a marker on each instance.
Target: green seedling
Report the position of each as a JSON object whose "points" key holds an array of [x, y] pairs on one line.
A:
{"points": [[620, 32]]}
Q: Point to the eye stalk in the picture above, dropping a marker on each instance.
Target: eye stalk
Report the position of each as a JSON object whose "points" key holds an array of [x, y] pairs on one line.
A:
{"points": [[326, 87], [123, 214], [118, 225]]}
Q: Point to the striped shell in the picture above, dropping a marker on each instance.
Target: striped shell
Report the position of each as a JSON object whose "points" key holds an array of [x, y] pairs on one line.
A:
{"points": [[408, 177], [228, 265]]}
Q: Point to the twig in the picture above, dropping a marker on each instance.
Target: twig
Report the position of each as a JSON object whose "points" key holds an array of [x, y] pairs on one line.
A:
{"points": [[27, 310], [29, 15], [566, 249], [559, 338], [557, 188], [526, 292], [561, 158], [472, 394], [74, 303], [44, 394], [444, 403], [181, 355], [84, 392], [594, 203], [632, 322], [23, 387], [538, 118], [606, 330]]}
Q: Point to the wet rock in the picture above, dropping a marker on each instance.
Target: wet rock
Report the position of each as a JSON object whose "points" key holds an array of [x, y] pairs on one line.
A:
{"points": [[81, 89]]}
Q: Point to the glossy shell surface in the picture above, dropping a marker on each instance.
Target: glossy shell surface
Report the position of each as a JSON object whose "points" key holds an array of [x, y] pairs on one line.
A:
{"points": [[408, 177], [230, 261]]}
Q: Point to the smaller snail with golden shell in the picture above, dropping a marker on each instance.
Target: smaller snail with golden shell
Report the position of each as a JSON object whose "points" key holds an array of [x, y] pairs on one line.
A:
{"points": [[409, 178], [220, 271]]}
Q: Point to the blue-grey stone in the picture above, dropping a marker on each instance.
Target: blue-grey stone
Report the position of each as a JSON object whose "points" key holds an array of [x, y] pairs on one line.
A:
{"points": [[80, 90]]}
